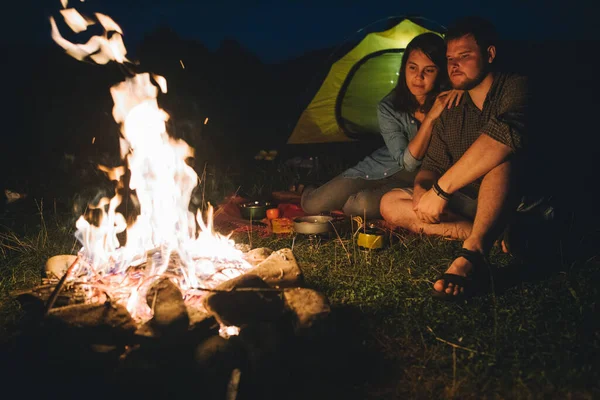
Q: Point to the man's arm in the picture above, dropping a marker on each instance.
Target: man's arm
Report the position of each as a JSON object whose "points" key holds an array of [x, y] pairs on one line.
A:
{"points": [[484, 155]]}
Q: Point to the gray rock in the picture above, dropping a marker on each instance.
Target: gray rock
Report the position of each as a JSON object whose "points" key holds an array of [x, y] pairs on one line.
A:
{"points": [[216, 358], [256, 256], [170, 312], [308, 306], [97, 323], [280, 269], [239, 307], [94, 315], [57, 266]]}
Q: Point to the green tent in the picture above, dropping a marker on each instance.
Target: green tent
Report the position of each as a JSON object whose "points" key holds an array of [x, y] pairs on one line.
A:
{"points": [[345, 107]]}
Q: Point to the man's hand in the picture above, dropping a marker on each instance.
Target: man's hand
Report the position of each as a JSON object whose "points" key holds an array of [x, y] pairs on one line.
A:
{"points": [[430, 207]]}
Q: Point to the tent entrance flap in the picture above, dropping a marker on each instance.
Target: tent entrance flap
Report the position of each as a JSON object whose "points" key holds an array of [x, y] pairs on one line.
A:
{"points": [[367, 83]]}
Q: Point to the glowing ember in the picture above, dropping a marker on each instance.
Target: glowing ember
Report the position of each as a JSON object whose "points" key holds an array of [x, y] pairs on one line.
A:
{"points": [[165, 240], [227, 331]]}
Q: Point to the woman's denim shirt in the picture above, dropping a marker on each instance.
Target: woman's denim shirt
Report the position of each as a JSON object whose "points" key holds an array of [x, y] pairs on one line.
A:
{"points": [[397, 129]]}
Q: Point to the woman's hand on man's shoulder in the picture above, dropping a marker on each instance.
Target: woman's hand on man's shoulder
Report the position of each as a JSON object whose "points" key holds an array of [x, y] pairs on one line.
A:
{"points": [[445, 100]]}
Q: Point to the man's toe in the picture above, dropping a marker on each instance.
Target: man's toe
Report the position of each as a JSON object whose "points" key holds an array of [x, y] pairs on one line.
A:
{"points": [[438, 286]]}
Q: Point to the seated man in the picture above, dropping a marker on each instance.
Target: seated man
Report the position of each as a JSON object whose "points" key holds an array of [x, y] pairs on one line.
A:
{"points": [[466, 187]]}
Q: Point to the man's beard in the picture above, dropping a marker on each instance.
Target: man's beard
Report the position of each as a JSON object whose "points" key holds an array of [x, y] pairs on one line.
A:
{"points": [[472, 83]]}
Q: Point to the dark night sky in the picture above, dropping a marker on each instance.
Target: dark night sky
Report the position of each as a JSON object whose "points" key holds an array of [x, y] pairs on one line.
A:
{"points": [[278, 30]]}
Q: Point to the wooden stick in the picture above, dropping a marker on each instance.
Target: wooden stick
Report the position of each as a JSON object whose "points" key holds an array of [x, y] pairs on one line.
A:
{"points": [[250, 289], [16, 293], [59, 287], [454, 345], [233, 385]]}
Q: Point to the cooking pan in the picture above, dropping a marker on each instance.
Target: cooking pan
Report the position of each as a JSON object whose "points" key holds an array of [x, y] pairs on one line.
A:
{"points": [[313, 224], [254, 210]]}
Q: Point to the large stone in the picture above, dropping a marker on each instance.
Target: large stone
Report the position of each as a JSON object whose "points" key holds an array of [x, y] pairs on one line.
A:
{"points": [[170, 313], [279, 270], [197, 314], [308, 306], [102, 323], [216, 351], [57, 266], [256, 256], [242, 301], [216, 358], [94, 315], [267, 346]]}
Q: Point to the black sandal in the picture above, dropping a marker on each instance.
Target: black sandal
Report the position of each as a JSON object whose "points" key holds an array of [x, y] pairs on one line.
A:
{"points": [[476, 281]]}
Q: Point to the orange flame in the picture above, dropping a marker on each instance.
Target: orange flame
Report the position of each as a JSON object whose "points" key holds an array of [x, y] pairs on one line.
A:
{"points": [[165, 239]]}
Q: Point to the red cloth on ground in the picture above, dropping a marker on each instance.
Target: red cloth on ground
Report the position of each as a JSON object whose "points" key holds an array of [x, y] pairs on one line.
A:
{"points": [[288, 210], [228, 217]]}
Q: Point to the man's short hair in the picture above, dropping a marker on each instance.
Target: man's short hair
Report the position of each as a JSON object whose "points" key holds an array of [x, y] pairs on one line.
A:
{"points": [[482, 30]]}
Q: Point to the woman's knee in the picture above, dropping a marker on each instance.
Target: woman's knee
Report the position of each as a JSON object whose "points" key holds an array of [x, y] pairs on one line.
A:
{"points": [[363, 204], [385, 205], [310, 203], [394, 204]]}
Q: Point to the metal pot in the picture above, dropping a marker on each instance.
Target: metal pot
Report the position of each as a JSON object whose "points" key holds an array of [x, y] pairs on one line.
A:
{"points": [[254, 210], [313, 224]]}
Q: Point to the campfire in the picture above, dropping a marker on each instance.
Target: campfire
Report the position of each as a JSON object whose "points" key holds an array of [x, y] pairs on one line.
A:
{"points": [[162, 273], [165, 240]]}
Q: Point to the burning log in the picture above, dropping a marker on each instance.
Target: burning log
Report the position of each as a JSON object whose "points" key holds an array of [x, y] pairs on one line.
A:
{"points": [[264, 292], [41, 293]]}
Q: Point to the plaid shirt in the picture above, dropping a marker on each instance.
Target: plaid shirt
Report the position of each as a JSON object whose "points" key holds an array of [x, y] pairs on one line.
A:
{"points": [[502, 118]]}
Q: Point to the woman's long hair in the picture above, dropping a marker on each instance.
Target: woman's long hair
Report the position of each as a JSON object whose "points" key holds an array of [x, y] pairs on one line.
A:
{"points": [[432, 46]]}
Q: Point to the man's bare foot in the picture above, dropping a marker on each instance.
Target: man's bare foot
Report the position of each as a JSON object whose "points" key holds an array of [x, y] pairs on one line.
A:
{"points": [[460, 266]]}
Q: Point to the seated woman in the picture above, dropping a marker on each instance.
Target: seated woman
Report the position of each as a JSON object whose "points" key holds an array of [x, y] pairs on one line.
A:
{"points": [[406, 117]]}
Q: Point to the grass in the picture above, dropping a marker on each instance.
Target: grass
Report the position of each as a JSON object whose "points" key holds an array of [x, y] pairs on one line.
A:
{"points": [[27, 239], [535, 336], [535, 339]]}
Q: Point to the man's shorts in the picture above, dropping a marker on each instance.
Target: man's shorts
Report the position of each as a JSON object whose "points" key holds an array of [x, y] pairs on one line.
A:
{"points": [[459, 203]]}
